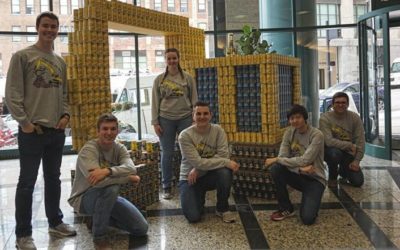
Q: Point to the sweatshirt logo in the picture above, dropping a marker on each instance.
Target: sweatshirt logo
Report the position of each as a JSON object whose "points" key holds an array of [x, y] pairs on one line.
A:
{"points": [[340, 133], [296, 149], [46, 74], [172, 89], [204, 150]]}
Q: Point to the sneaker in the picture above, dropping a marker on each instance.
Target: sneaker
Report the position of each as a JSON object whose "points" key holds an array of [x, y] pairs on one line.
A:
{"points": [[25, 243], [227, 217], [62, 230], [167, 194], [281, 215]]}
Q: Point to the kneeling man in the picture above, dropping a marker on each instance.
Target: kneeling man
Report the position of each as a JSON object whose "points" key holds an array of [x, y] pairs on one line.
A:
{"points": [[299, 165], [205, 166], [102, 165]]}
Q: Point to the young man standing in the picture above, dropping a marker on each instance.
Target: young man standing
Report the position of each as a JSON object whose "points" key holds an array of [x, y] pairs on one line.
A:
{"points": [[205, 166], [36, 95], [299, 165], [102, 165], [344, 141]]}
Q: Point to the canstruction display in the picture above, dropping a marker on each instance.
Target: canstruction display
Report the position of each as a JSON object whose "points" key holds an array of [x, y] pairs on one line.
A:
{"points": [[88, 58], [250, 96]]}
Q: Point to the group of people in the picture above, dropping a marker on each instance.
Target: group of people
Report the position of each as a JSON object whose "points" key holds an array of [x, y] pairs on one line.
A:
{"points": [[39, 103], [300, 163]]}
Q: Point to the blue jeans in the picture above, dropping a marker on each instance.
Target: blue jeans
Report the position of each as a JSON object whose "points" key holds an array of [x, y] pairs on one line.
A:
{"points": [[167, 140], [109, 209], [193, 196], [335, 157], [33, 148], [311, 189]]}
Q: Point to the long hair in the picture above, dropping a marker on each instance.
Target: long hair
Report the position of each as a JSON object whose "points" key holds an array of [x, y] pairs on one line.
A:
{"points": [[179, 66]]}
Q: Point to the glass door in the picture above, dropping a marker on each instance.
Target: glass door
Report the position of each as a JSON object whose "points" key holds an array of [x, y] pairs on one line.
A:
{"points": [[375, 85]]}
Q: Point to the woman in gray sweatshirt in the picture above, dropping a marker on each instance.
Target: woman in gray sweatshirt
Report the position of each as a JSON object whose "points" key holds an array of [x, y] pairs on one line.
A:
{"points": [[174, 93]]}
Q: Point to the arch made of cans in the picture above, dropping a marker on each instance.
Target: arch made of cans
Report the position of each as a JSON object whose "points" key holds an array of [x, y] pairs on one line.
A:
{"points": [[88, 58]]}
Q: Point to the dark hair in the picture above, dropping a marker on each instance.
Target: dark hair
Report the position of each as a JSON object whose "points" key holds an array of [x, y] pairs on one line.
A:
{"points": [[338, 95], [179, 66], [298, 109], [48, 14], [107, 117], [201, 104]]}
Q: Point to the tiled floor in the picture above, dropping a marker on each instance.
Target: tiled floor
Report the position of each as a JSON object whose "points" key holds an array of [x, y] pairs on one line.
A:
{"points": [[363, 218]]}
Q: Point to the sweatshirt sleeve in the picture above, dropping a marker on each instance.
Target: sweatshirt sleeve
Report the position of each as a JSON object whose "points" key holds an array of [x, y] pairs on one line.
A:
{"points": [[126, 167], [330, 141], [88, 159], [14, 93], [193, 94], [284, 150], [359, 138], [155, 100], [65, 90], [188, 150], [309, 156]]}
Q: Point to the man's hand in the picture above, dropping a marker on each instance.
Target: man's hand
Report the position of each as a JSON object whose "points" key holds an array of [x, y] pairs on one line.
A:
{"points": [[28, 128], [62, 123], [192, 177], [97, 174], [354, 166], [270, 161], [234, 166], [158, 129], [307, 169], [135, 179], [353, 149]]}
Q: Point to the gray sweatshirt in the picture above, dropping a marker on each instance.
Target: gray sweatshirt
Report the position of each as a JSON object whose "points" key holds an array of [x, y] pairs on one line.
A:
{"points": [[92, 156], [343, 131], [300, 150], [203, 152], [173, 98], [36, 87]]}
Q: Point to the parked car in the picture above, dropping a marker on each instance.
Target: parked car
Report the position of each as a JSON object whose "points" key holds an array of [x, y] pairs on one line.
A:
{"points": [[325, 97]]}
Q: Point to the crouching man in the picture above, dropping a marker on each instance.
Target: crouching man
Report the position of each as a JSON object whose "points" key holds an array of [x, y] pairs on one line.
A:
{"points": [[102, 165], [205, 166], [299, 165]]}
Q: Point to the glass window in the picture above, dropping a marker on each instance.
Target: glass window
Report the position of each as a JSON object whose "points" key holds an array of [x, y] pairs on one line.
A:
{"points": [[30, 7], [160, 63], [201, 6], [171, 5], [124, 59], [202, 26], [63, 7], [16, 29], [15, 8], [74, 4], [327, 14], [184, 5], [64, 38], [44, 5], [359, 10], [31, 38], [157, 5]]}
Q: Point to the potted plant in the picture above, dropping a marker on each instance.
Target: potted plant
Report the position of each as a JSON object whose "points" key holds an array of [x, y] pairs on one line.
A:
{"points": [[250, 44]]}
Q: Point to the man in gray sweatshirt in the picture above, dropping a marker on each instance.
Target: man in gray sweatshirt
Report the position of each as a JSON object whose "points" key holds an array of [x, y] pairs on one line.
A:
{"points": [[205, 166], [36, 96], [344, 141], [300, 165], [102, 165]]}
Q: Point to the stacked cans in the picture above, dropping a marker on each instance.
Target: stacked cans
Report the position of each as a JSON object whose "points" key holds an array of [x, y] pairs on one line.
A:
{"points": [[248, 100], [253, 179], [207, 89]]}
